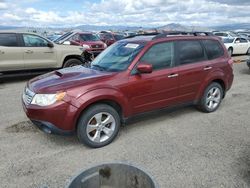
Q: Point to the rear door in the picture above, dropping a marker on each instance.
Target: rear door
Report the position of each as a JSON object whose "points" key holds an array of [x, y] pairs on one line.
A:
{"points": [[36, 52], [244, 45], [157, 89], [11, 55], [193, 67]]}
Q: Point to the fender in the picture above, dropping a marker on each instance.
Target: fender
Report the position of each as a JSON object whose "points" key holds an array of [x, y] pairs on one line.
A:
{"points": [[100, 94], [213, 75]]}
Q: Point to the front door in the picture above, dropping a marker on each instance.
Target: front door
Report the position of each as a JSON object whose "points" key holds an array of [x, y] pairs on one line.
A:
{"points": [[37, 54], [157, 89]]}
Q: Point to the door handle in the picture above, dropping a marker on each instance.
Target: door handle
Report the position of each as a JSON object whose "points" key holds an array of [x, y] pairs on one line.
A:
{"points": [[1, 52], [29, 52], [207, 68], [173, 75]]}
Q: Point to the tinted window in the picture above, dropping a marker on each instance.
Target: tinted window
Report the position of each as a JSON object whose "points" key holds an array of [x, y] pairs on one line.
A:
{"points": [[8, 40], [160, 55], [34, 41], [213, 49], [190, 52]]}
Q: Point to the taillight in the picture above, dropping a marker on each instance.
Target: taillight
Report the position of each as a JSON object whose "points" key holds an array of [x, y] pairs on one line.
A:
{"points": [[231, 62]]}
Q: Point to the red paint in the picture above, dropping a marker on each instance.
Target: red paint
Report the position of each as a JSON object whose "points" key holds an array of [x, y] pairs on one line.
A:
{"points": [[134, 93]]}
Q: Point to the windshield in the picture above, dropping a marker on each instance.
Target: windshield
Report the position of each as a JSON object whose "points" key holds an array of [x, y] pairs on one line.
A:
{"points": [[63, 37], [89, 37], [118, 37], [117, 57], [228, 40]]}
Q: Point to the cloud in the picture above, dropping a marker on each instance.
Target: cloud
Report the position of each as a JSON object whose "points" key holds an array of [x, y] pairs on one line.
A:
{"points": [[3, 5], [128, 12]]}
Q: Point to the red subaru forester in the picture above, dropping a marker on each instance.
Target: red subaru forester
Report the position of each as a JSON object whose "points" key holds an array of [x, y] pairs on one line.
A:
{"points": [[131, 77]]}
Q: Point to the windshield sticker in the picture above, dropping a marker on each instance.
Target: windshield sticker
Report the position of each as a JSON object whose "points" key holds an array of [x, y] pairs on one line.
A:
{"points": [[131, 45]]}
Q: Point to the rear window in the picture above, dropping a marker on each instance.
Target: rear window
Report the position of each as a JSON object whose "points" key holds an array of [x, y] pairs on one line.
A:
{"points": [[213, 49], [9, 40], [190, 52]]}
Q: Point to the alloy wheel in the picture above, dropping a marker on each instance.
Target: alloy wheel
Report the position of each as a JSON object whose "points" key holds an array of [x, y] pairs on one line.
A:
{"points": [[101, 127], [213, 98]]}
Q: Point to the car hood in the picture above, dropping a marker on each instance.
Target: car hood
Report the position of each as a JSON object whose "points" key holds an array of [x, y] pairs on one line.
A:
{"points": [[93, 42], [64, 79]]}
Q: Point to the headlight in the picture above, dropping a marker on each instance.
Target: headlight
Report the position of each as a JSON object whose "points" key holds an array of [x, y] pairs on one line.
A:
{"points": [[47, 99], [105, 45], [85, 46]]}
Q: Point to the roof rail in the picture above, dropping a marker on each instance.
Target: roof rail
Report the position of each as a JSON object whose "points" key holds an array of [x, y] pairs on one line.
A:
{"points": [[143, 34], [174, 33]]}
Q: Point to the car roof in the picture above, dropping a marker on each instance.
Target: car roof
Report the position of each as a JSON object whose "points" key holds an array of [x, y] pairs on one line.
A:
{"points": [[172, 36]]}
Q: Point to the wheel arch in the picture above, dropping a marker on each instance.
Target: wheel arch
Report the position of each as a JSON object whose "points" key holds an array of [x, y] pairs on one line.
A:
{"points": [[112, 98], [109, 102], [66, 58], [218, 80]]}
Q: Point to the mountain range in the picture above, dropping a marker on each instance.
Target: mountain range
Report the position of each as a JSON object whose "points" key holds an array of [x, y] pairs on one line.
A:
{"points": [[171, 26]]}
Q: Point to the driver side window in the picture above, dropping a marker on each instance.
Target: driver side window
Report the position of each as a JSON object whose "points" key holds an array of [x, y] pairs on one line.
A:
{"points": [[34, 41], [160, 55]]}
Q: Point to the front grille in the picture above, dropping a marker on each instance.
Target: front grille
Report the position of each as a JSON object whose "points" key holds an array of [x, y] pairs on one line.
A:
{"points": [[28, 96], [96, 46]]}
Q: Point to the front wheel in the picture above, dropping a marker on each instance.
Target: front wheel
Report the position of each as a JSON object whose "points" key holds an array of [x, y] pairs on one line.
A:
{"points": [[98, 126], [211, 98], [72, 63], [230, 52], [248, 51]]}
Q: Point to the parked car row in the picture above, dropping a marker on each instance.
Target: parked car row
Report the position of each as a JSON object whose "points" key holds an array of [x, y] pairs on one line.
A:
{"points": [[28, 51], [236, 43]]}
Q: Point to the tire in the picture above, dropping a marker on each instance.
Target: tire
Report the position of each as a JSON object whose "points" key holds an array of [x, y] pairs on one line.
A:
{"points": [[211, 98], [230, 52], [72, 62], [248, 51], [93, 131]]}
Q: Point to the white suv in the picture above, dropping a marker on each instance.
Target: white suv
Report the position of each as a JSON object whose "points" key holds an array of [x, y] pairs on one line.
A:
{"points": [[28, 51]]}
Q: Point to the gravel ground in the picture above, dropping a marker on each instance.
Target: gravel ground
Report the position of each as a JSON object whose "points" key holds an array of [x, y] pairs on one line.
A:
{"points": [[182, 148]]}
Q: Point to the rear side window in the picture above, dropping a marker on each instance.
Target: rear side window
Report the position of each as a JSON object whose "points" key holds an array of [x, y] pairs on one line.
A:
{"points": [[190, 52], [160, 55], [9, 40], [213, 49]]}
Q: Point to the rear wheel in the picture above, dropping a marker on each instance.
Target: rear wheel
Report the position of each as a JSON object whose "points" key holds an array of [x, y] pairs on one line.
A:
{"points": [[98, 126], [211, 98], [72, 63], [248, 51]]}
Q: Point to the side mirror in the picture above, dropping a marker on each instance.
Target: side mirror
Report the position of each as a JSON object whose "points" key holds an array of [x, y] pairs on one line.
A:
{"points": [[237, 41], [50, 45], [144, 68], [66, 42]]}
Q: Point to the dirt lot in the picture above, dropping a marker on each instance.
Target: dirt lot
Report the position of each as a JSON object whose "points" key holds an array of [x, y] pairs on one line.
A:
{"points": [[183, 148]]}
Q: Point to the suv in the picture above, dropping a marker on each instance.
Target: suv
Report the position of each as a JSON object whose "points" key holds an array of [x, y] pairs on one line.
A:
{"points": [[90, 41], [131, 77], [26, 51], [110, 38]]}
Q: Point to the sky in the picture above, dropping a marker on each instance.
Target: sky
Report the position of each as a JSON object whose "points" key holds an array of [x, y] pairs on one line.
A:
{"points": [[143, 13]]}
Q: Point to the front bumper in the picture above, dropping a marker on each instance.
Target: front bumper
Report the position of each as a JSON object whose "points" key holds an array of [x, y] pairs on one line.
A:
{"points": [[49, 128], [58, 118]]}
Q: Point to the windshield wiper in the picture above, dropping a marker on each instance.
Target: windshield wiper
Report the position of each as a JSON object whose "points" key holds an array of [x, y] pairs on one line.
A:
{"points": [[99, 67]]}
